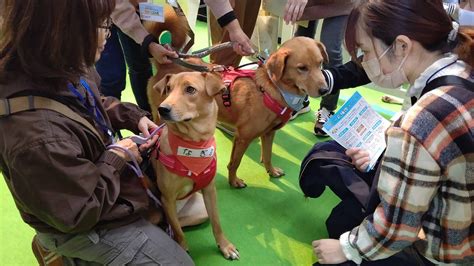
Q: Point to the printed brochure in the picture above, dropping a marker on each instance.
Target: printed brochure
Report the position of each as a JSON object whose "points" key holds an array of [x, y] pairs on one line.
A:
{"points": [[357, 125]]}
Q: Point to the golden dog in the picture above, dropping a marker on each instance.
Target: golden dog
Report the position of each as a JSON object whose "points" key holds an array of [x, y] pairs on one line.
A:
{"points": [[189, 111], [295, 68]]}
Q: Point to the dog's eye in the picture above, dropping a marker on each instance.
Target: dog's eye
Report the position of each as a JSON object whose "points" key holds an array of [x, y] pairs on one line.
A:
{"points": [[167, 89], [302, 68], [190, 90]]}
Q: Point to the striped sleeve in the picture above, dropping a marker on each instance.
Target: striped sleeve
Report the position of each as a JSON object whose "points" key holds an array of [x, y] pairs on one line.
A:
{"points": [[409, 179]]}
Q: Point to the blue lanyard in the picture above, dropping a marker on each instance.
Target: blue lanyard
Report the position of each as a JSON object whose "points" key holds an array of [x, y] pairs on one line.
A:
{"points": [[93, 110]]}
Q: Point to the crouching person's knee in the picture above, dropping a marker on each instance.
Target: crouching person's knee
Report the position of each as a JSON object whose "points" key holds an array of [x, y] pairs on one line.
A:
{"points": [[320, 164]]}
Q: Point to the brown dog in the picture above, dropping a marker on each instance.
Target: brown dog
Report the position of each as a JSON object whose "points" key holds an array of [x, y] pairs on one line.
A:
{"points": [[294, 68], [186, 156]]}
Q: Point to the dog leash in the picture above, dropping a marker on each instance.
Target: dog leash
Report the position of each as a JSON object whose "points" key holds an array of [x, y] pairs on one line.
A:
{"points": [[165, 39], [207, 51], [139, 140], [135, 166], [136, 169]]}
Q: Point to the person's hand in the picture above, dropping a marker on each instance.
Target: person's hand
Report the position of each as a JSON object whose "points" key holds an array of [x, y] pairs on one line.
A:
{"points": [[130, 146], [161, 53], [329, 251], [360, 158], [242, 44], [294, 10], [145, 125]]}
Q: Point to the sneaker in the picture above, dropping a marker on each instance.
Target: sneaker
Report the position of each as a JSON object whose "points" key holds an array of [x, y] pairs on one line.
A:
{"points": [[303, 110], [322, 115], [226, 129], [300, 112]]}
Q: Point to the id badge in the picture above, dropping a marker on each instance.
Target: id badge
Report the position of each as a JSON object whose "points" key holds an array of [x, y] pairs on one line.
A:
{"points": [[152, 11]]}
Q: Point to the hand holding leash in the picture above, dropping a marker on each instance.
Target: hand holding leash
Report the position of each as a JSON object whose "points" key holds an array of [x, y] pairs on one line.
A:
{"points": [[141, 140], [162, 53], [242, 44], [126, 149]]}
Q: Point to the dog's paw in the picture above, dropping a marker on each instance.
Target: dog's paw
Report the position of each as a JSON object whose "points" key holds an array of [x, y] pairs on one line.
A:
{"points": [[276, 172], [238, 183], [229, 251]]}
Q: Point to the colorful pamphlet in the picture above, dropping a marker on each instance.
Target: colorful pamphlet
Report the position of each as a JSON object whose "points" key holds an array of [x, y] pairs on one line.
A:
{"points": [[357, 125]]}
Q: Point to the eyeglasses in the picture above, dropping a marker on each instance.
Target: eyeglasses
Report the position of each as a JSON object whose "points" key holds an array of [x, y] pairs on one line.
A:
{"points": [[107, 26]]}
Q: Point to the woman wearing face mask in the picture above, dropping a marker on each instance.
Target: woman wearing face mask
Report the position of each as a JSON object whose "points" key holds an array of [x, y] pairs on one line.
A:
{"points": [[425, 177]]}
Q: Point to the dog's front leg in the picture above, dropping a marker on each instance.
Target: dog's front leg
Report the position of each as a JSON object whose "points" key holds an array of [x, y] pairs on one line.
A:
{"points": [[239, 147], [210, 200], [169, 205], [267, 145]]}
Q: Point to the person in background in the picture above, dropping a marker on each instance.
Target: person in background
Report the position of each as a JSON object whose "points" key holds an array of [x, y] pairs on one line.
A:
{"points": [[111, 66], [137, 45], [224, 27], [76, 192], [425, 212]]}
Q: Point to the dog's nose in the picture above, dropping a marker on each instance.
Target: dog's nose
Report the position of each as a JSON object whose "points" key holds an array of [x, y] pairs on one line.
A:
{"points": [[164, 110], [323, 91]]}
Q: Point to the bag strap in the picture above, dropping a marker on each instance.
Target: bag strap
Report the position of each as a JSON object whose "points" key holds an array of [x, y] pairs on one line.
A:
{"points": [[27, 103], [446, 81]]}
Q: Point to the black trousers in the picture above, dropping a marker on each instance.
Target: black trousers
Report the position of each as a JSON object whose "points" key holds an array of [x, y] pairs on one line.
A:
{"points": [[333, 169]]}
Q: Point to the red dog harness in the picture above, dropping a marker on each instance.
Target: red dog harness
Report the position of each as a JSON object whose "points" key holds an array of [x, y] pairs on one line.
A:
{"points": [[282, 111], [195, 160], [229, 75]]}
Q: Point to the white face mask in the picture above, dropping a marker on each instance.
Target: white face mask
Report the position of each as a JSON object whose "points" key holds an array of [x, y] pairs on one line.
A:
{"points": [[391, 80]]}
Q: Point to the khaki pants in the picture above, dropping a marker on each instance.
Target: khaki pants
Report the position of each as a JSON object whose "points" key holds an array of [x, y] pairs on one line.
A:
{"points": [[246, 12], [137, 243]]}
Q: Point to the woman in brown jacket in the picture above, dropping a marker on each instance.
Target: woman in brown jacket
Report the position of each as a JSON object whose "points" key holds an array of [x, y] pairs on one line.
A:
{"points": [[83, 201]]}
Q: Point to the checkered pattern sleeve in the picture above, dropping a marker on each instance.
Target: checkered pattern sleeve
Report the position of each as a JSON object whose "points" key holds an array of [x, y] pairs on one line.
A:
{"points": [[426, 181], [408, 181]]}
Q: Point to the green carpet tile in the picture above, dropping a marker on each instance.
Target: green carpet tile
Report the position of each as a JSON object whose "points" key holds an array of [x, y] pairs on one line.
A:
{"points": [[270, 221]]}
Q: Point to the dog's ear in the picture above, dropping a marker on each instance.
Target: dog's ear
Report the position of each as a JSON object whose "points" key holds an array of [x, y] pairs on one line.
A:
{"points": [[214, 84], [162, 86], [322, 49], [277, 62]]}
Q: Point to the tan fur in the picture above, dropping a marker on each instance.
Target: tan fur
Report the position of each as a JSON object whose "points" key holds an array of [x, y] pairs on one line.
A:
{"points": [[192, 117], [295, 67]]}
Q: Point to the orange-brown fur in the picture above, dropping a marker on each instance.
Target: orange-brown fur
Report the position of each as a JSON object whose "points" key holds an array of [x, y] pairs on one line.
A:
{"points": [[295, 67], [192, 117]]}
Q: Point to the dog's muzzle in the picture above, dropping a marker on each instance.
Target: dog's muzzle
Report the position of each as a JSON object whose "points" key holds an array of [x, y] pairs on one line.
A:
{"points": [[165, 112]]}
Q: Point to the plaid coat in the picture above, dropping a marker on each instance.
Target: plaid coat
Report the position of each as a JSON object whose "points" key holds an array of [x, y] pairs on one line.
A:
{"points": [[427, 178]]}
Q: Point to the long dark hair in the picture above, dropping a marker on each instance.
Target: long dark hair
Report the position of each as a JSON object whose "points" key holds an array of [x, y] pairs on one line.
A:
{"points": [[50, 41], [425, 21]]}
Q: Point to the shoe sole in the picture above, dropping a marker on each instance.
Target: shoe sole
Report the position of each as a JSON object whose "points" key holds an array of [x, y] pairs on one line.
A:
{"points": [[320, 134], [300, 112]]}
